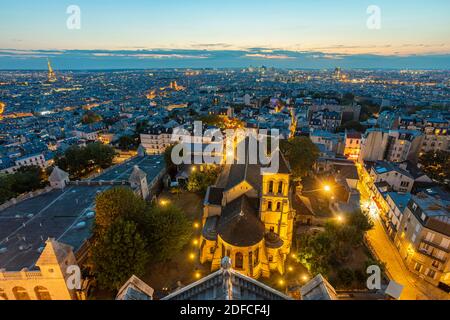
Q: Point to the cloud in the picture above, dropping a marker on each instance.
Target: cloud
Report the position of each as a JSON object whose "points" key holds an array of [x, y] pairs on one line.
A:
{"points": [[214, 58], [269, 56], [151, 55]]}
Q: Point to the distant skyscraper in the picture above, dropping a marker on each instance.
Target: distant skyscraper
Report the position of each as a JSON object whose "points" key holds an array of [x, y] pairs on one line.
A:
{"points": [[51, 77], [337, 73]]}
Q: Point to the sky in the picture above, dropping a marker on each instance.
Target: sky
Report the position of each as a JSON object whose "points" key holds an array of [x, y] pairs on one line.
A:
{"points": [[213, 33]]}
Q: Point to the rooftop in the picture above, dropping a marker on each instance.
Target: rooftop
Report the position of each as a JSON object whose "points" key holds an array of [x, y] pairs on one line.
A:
{"points": [[63, 215]]}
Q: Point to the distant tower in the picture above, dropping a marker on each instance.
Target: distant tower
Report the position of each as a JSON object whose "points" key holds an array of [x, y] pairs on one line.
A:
{"points": [[338, 75], [51, 77]]}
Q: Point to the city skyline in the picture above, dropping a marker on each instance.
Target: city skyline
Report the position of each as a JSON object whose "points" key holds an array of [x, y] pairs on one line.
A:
{"points": [[287, 34]]}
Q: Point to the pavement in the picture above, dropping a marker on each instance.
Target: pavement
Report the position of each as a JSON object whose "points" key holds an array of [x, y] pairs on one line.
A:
{"points": [[59, 214]]}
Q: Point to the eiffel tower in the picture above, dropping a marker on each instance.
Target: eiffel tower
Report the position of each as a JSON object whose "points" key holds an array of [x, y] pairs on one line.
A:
{"points": [[51, 77]]}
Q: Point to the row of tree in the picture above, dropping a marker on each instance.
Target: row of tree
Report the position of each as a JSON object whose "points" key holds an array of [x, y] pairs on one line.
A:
{"points": [[26, 179], [79, 161], [129, 234]]}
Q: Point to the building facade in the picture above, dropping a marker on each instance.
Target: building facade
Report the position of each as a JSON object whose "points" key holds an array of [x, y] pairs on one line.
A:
{"points": [[423, 238], [48, 282], [248, 216]]}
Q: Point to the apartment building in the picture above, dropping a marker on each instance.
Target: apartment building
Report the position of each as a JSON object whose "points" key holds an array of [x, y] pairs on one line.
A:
{"points": [[397, 178], [423, 237], [156, 140], [390, 145], [352, 145]]}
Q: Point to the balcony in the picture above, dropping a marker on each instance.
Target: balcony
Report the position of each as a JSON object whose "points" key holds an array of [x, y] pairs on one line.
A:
{"points": [[434, 245]]}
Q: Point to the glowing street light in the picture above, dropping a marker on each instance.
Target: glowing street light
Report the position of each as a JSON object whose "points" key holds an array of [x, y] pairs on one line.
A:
{"points": [[198, 275], [326, 188], [192, 256], [164, 203], [196, 225], [195, 242], [305, 277]]}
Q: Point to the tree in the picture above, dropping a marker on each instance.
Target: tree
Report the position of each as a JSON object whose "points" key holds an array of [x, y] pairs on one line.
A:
{"points": [[102, 155], [119, 254], [79, 161], [141, 126], [167, 232], [127, 143], [301, 153], [199, 181], [333, 246], [90, 117], [436, 165], [117, 203], [25, 179]]}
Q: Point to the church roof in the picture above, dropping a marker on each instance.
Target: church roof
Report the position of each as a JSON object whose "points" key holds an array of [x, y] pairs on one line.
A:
{"points": [[227, 284], [137, 175], [239, 224], [54, 252], [135, 289], [318, 289], [58, 175], [214, 196]]}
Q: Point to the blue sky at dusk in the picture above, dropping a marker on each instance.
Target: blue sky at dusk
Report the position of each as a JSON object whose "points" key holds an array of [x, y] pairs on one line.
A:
{"points": [[232, 33]]}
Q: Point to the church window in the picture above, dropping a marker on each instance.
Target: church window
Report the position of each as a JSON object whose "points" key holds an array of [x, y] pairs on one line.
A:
{"points": [[20, 293], [280, 187], [269, 205], [3, 295], [42, 293], [271, 187], [239, 263], [278, 206], [256, 257]]}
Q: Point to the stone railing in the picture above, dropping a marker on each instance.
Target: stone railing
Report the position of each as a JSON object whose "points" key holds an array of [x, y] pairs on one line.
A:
{"points": [[24, 197]]}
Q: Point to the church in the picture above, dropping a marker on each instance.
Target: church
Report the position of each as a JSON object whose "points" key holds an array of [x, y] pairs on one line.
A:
{"points": [[248, 216]]}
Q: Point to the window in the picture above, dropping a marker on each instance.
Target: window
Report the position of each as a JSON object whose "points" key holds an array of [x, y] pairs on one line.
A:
{"points": [[272, 229], [278, 206], [42, 293], [211, 250], [3, 295], [431, 273], [280, 187], [20, 293], [445, 243], [418, 267], [435, 264], [239, 260], [269, 205], [270, 259], [271, 187], [256, 261]]}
